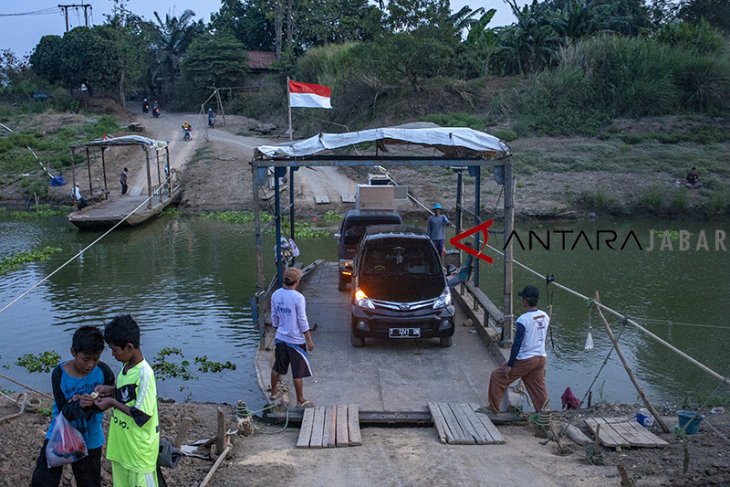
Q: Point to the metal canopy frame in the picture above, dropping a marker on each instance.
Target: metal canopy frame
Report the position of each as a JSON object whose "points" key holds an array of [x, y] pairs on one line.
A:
{"points": [[260, 166], [144, 143]]}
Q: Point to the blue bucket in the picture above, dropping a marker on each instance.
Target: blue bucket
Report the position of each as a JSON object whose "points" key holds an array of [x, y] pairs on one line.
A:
{"points": [[57, 181], [690, 421]]}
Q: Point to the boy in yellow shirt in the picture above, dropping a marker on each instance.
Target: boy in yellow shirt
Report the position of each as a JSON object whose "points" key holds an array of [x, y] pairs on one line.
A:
{"points": [[134, 430]]}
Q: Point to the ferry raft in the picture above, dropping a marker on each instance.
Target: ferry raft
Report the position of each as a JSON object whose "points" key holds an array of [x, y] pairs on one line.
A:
{"points": [[107, 208], [389, 381]]}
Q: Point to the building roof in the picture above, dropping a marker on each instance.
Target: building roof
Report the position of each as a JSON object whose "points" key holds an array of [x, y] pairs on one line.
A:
{"points": [[260, 59]]}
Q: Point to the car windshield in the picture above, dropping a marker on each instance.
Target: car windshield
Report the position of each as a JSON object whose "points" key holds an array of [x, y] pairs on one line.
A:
{"points": [[400, 257]]}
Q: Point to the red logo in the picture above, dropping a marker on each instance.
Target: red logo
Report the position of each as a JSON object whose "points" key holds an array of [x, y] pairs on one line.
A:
{"points": [[482, 227]]}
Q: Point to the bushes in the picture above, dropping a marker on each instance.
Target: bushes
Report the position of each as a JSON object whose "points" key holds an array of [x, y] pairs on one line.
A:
{"points": [[611, 76]]}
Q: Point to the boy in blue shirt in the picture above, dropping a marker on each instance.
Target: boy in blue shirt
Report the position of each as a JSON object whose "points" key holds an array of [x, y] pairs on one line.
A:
{"points": [[73, 382]]}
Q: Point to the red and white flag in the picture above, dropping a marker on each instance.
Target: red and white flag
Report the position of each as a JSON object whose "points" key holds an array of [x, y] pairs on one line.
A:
{"points": [[309, 95]]}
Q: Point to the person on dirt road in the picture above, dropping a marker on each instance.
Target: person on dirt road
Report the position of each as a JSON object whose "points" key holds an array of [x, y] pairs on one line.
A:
{"points": [[211, 118], [527, 359]]}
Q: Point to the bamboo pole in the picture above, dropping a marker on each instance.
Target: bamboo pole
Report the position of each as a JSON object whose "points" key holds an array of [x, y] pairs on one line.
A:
{"points": [[215, 466], [625, 318], [647, 403]]}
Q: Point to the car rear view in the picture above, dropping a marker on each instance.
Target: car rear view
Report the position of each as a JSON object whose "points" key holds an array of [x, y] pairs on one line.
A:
{"points": [[352, 230], [399, 291]]}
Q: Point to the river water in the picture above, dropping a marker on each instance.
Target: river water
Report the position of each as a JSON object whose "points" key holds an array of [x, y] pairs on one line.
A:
{"points": [[188, 281]]}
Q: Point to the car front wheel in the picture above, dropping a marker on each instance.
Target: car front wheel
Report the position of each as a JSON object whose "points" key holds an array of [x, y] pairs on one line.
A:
{"points": [[355, 340], [342, 283], [446, 341]]}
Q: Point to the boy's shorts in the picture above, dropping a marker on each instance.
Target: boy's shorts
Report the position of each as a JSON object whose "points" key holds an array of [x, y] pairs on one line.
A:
{"points": [[296, 355], [123, 477]]}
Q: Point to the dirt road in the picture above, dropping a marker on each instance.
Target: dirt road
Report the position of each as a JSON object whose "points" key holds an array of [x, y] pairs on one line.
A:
{"points": [[227, 144]]}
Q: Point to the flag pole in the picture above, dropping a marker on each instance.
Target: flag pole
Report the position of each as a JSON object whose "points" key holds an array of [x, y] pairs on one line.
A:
{"points": [[288, 101]]}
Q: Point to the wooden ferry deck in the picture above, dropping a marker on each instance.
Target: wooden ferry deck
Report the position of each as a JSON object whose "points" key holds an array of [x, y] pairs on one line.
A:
{"points": [[106, 214], [384, 376]]}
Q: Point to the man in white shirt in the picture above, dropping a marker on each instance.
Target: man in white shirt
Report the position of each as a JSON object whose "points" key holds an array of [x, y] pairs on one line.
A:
{"points": [[76, 194], [527, 358], [293, 336]]}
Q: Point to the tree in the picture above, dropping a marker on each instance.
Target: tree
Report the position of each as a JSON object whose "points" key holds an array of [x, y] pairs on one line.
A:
{"points": [[714, 12], [320, 22], [213, 60], [411, 56], [125, 30], [409, 15], [481, 43], [89, 56], [45, 58], [250, 21], [169, 41]]}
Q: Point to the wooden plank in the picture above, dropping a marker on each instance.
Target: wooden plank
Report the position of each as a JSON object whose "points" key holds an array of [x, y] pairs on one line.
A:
{"points": [[608, 436], [439, 421], [318, 427], [321, 199], [477, 429], [305, 433], [347, 197], [330, 427], [639, 436], [353, 424], [466, 426], [343, 438], [458, 437], [497, 437]]}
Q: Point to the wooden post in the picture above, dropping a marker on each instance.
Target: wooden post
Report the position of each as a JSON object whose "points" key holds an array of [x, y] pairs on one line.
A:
{"points": [[88, 168], [220, 441], [644, 398], [103, 169], [182, 432], [257, 226], [509, 223], [149, 178]]}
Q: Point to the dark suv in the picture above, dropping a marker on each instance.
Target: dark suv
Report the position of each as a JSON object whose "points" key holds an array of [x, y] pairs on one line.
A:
{"points": [[351, 231], [399, 288]]}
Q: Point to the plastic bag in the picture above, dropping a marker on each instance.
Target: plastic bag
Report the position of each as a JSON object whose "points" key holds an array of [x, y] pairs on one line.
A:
{"points": [[66, 444]]}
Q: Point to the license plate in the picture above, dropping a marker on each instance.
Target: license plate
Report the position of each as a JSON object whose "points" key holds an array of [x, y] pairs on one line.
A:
{"points": [[404, 332]]}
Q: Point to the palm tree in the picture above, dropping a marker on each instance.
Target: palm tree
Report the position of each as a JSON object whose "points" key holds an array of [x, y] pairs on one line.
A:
{"points": [[169, 40]]}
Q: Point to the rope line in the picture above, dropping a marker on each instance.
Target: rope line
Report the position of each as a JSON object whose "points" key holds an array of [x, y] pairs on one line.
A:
{"points": [[628, 320], [26, 292]]}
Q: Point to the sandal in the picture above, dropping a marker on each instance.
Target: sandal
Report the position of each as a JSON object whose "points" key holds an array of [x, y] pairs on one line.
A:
{"points": [[486, 410], [306, 404]]}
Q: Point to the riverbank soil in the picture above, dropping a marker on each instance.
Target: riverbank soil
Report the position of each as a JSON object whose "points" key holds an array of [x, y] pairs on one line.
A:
{"points": [[396, 456], [636, 167]]}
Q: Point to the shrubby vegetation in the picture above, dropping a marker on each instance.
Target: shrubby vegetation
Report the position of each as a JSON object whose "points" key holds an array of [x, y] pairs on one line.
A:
{"points": [[579, 63]]}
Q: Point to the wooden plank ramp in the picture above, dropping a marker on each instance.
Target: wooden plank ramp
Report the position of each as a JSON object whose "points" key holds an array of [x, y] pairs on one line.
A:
{"points": [[621, 432], [459, 424], [330, 427]]}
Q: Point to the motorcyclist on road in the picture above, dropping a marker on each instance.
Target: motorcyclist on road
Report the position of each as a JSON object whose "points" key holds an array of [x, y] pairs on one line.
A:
{"points": [[156, 109], [211, 117], [187, 130], [145, 105]]}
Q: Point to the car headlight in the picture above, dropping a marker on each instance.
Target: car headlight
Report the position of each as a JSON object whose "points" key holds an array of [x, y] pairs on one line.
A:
{"points": [[443, 300], [362, 300]]}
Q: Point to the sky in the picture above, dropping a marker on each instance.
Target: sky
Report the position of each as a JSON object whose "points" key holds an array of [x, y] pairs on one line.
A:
{"points": [[21, 33]]}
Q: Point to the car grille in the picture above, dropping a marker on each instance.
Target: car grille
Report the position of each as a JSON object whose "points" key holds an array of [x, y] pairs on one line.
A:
{"points": [[396, 306]]}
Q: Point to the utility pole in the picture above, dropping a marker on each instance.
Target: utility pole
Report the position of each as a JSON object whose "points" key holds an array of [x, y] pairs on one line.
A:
{"points": [[86, 8]]}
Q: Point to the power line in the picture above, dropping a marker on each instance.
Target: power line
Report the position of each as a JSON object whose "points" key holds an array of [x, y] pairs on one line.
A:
{"points": [[45, 11]]}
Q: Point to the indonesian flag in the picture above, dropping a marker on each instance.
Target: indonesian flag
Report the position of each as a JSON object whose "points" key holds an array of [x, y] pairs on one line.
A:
{"points": [[308, 95]]}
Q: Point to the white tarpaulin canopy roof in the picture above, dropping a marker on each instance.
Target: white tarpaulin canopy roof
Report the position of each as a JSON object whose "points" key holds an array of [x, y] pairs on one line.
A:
{"points": [[451, 141], [127, 140]]}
